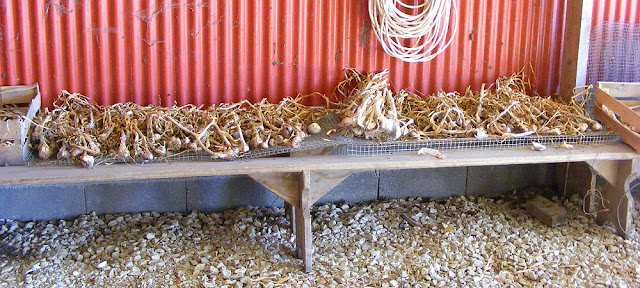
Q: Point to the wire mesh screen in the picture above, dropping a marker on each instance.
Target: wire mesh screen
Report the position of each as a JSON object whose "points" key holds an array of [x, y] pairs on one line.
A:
{"points": [[370, 148], [360, 147], [614, 53], [316, 141]]}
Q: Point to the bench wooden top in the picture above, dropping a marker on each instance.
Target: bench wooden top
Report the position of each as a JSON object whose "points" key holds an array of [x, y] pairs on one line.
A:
{"points": [[37, 175]]}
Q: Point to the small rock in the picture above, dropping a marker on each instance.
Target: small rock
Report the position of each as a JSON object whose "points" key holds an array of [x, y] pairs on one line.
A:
{"points": [[198, 269], [226, 273], [135, 271], [102, 265]]}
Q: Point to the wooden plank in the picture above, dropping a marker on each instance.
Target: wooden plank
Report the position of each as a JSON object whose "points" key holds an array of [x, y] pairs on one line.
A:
{"points": [[30, 175], [18, 94], [15, 131], [576, 46], [620, 89], [607, 169], [285, 185], [604, 96], [625, 133], [304, 246], [323, 181], [622, 111]]}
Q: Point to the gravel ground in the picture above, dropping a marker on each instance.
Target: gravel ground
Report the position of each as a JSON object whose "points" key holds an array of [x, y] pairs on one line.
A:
{"points": [[470, 242]]}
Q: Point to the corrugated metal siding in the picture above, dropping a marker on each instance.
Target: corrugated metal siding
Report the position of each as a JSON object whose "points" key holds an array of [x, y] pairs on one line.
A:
{"points": [[615, 10], [221, 51]]}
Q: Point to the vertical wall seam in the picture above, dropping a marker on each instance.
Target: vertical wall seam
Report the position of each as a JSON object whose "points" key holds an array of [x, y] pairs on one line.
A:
{"points": [[186, 195], [466, 182], [377, 172], [566, 180], [84, 193]]}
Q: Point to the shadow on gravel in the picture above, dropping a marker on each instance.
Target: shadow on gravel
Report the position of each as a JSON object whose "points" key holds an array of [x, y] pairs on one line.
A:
{"points": [[8, 251], [518, 198]]}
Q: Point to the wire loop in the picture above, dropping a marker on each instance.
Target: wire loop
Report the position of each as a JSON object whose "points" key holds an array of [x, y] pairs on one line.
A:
{"points": [[428, 29]]}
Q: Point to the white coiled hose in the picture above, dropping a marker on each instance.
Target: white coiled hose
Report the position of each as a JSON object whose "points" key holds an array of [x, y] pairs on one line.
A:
{"points": [[427, 30]]}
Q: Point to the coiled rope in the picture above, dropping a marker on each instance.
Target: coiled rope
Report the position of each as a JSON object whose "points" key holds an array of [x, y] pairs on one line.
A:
{"points": [[427, 30]]}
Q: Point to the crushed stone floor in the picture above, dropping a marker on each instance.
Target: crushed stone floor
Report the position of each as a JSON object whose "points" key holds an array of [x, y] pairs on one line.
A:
{"points": [[461, 241]]}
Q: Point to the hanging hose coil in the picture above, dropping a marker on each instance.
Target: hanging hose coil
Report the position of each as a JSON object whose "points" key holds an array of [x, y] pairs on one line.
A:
{"points": [[414, 37]]}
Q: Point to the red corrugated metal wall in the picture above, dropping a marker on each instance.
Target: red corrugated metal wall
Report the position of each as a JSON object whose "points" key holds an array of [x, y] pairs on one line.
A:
{"points": [[188, 51], [615, 10]]}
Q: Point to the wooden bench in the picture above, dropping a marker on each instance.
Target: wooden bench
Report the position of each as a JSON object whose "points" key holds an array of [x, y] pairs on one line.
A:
{"points": [[301, 181]]}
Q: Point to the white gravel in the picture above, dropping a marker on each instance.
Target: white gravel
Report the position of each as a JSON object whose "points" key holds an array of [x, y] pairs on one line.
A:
{"points": [[470, 242]]}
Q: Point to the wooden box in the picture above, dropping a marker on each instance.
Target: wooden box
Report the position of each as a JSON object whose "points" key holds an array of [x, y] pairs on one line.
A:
{"points": [[24, 102], [617, 105]]}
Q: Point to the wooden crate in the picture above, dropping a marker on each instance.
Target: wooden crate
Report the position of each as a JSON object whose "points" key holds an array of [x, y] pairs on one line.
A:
{"points": [[14, 143], [623, 100]]}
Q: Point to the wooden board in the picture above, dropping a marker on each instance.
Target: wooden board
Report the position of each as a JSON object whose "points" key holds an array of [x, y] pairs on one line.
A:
{"points": [[622, 111], [24, 175], [620, 89], [13, 133], [285, 185], [575, 46]]}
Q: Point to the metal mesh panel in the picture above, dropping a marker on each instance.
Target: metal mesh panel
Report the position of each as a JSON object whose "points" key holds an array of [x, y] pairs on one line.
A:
{"points": [[369, 148], [614, 53], [317, 141], [361, 147]]}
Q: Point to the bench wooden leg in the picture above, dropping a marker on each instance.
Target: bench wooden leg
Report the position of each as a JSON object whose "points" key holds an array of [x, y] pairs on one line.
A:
{"points": [[289, 213], [304, 246], [300, 191], [619, 204]]}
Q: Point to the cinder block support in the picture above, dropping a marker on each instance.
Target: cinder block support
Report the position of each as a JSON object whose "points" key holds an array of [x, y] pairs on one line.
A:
{"points": [[361, 186], [42, 202], [433, 183], [492, 181], [218, 193], [137, 196]]}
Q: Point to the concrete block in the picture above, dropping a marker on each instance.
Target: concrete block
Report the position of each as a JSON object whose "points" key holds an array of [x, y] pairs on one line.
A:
{"points": [[546, 211], [211, 194], [432, 183], [491, 181], [359, 187], [137, 196], [42, 202]]}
